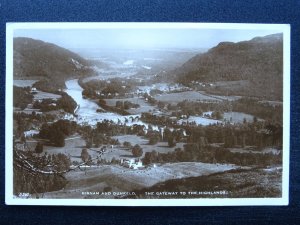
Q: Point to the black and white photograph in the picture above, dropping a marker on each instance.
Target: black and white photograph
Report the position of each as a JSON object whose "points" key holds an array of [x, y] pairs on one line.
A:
{"points": [[140, 114]]}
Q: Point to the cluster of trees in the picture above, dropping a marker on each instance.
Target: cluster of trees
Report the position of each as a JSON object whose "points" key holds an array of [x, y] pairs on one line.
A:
{"points": [[257, 134], [127, 144], [66, 103], [108, 128], [217, 115], [156, 119], [254, 107], [85, 156], [107, 89], [126, 105], [33, 116], [155, 92], [197, 108], [57, 131], [260, 134], [51, 86], [119, 110], [39, 147], [101, 135], [45, 105], [150, 99], [246, 105], [137, 151], [154, 137], [115, 87], [22, 96], [172, 137], [23, 121], [97, 139], [97, 162], [194, 152], [36, 174]]}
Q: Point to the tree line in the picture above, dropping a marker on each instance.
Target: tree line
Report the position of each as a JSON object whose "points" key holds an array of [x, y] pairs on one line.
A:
{"points": [[194, 152]]}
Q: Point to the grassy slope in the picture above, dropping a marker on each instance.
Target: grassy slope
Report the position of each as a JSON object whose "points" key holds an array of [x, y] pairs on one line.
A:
{"points": [[243, 183], [119, 178]]}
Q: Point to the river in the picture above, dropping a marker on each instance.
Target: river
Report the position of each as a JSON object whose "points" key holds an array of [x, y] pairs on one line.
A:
{"points": [[87, 112]]}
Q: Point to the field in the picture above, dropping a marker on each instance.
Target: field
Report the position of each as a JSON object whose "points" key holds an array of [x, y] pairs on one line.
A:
{"points": [[120, 179], [161, 147], [237, 117], [24, 83], [186, 95], [199, 120], [229, 87], [40, 95], [263, 151], [74, 145]]}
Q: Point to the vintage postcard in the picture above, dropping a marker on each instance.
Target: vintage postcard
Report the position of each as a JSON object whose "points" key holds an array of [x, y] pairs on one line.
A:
{"points": [[147, 114]]}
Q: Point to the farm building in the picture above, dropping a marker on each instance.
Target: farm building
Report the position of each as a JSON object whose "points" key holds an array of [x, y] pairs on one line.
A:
{"points": [[132, 163]]}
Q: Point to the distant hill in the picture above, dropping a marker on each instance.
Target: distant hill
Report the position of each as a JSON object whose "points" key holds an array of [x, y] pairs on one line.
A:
{"points": [[258, 63], [42, 60]]}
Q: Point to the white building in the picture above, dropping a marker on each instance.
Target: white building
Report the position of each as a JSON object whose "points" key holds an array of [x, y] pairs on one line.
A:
{"points": [[132, 163]]}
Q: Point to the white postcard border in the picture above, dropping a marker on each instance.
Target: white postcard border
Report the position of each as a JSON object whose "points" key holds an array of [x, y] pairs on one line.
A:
{"points": [[11, 200]]}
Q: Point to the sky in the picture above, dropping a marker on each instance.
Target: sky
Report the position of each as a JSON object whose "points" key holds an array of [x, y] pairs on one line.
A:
{"points": [[140, 38]]}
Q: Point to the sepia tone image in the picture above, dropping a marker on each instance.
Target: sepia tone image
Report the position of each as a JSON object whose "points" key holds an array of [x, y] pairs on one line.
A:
{"points": [[147, 112]]}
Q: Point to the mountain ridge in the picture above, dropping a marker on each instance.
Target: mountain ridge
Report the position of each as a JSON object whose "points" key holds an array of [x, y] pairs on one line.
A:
{"points": [[39, 59], [259, 62]]}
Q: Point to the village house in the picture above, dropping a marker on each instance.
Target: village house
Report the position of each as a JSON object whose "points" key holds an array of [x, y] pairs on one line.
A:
{"points": [[132, 163], [33, 90]]}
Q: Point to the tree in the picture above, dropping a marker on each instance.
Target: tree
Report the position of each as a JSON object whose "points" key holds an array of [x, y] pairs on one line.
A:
{"points": [[171, 142], [66, 103], [127, 144], [114, 160], [137, 151], [33, 175], [147, 158], [39, 148], [153, 140], [120, 104], [255, 120], [161, 104], [101, 101], [85, 155], [89, 143], [59, 139], [217, 115], [62, 162], [150, 157], [107, 189]]}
